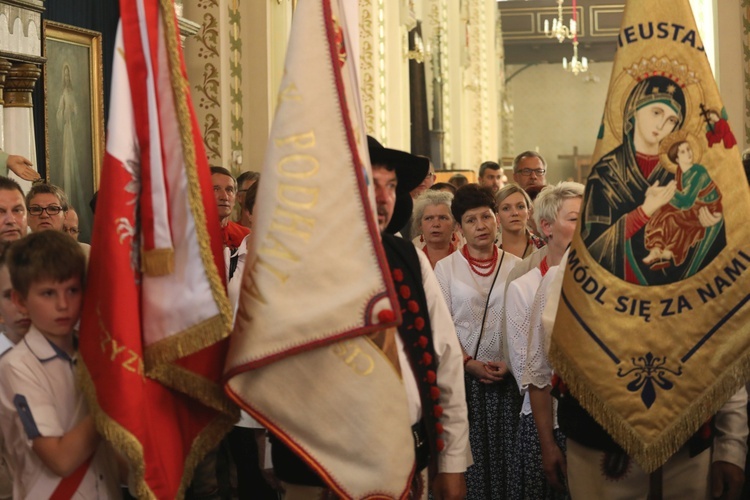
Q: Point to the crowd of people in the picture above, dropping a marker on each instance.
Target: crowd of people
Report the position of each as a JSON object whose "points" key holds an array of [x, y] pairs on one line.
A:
{"points": [[478, 261]]}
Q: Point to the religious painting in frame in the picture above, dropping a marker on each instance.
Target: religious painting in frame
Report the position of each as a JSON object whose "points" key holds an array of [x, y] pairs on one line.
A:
{"points": [[74, 115]]}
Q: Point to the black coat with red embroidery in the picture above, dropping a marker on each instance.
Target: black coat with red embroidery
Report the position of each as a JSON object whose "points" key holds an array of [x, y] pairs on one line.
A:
{"points": [[416, 333]]}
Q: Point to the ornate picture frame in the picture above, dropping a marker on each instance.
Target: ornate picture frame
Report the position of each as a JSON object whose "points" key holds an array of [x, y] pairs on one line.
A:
{"points": [[74, 114]]}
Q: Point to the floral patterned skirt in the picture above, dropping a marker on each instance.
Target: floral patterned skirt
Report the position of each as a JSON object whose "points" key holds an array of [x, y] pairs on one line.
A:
{"points": [[493, 423], [527, 475]]}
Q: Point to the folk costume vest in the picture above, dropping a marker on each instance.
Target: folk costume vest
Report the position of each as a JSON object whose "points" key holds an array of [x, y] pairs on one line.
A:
{"points": [[416, 333]]}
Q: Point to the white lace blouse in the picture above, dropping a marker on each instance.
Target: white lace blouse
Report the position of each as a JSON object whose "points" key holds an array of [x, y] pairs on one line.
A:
{"points": [[465, 293], [518, 300], [538, 371]]}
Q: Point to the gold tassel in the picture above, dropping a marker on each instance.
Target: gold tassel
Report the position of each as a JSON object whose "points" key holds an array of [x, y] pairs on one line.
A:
{"points": [[157, 262]]}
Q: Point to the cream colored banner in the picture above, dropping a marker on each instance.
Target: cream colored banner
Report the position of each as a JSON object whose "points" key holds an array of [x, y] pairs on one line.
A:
{"points": [[317, 278]]}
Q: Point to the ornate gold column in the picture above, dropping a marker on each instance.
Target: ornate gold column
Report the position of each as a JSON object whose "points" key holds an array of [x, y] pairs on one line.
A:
{"points": [[5, 66], [18, 116], [214, 60]]}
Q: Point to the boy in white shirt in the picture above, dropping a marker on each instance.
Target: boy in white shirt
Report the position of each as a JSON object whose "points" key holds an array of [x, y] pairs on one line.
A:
{"points": [[53, 446]]}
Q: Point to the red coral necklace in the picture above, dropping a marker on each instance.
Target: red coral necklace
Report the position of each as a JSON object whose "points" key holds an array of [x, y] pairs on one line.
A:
{"points": [[481, 267]]}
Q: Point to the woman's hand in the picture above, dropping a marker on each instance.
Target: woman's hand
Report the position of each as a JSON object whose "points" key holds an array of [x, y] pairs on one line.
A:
{"points": [[657, 196], [554, 465], [487, 373], [498, 368]]}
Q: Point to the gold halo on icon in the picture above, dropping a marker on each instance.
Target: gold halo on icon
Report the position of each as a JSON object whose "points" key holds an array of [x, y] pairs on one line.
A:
{"points": [[629, 77], [676, 138]]}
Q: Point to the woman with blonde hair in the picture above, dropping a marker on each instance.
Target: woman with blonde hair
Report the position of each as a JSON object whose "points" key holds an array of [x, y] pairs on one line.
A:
{"points": [[513, 211], [540, 444], [434, 226]]}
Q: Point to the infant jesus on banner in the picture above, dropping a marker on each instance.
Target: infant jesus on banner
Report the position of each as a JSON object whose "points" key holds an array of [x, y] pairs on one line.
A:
{"points": [[676, 227]]}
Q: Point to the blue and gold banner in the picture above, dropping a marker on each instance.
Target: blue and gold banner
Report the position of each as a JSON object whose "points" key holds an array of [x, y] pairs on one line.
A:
{"points": [[653, 326]]}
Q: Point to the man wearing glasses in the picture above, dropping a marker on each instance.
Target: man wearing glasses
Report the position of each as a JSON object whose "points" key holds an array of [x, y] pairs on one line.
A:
{"points": [[529, 169], [70, 225], [47, 205]]}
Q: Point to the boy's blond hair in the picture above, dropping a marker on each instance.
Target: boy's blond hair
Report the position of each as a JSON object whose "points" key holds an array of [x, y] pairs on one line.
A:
{"points": [[46, 255]]}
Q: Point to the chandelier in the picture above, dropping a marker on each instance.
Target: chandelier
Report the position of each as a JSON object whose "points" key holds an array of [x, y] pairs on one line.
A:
{"points": [[559, 30], [562, 32]]}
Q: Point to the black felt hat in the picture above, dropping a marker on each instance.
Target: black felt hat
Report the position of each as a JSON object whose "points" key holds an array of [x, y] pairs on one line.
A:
{"points": [[410, 172]]}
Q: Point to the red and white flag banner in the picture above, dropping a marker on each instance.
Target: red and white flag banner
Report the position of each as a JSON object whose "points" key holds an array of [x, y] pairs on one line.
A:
{"points": [[156, 317]]}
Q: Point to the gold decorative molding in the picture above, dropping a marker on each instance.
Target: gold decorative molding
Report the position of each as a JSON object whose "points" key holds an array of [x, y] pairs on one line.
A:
{"points": [[19, 84], [382, 112], [484, 78], [446, 68], [235, 85], [208, 91], [475, 83], [5, 66], [372, 66], [597, 15], [212, 135], [366, 66]]}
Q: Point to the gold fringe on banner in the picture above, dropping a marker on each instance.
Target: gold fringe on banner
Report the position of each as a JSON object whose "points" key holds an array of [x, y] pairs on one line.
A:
{"points": [[184, 343], [157, 262], [198, 387], [159, 363], [127, 444], [652, 456]]}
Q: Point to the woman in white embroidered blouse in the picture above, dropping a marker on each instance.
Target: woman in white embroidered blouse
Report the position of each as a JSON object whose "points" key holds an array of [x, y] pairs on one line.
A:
{"points": [[556, 211], [466, 278]]}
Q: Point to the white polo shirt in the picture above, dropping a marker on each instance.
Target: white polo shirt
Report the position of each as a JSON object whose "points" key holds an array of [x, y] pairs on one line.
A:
{"points": [[39, 398], [6, 478]]}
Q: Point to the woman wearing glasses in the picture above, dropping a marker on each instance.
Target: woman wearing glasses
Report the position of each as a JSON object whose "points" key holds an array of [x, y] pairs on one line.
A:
{"points": [[47, 205]]}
